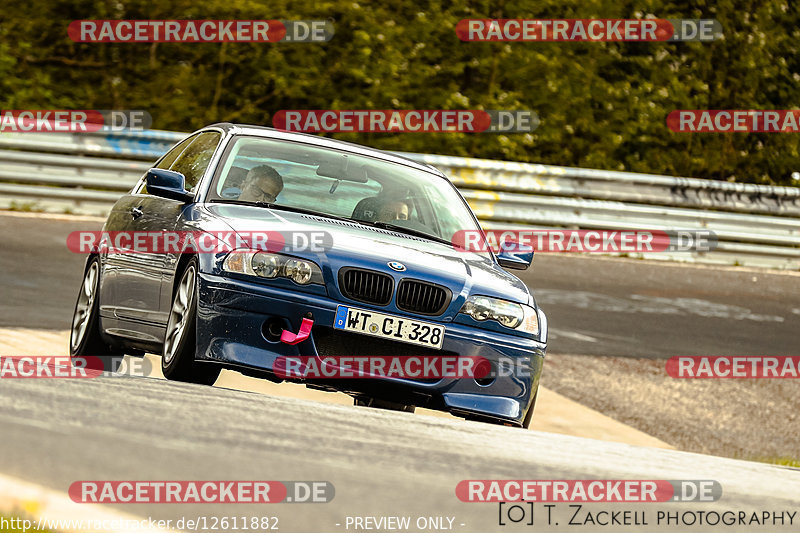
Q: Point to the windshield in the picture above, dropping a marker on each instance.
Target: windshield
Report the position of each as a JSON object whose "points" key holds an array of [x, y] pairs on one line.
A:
{"points": [[340, 184]]}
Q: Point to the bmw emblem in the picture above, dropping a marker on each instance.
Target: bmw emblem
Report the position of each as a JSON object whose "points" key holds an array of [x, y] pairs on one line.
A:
{"points": [[396, 265]]}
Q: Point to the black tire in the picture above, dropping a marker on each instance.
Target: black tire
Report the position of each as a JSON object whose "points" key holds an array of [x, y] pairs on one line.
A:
{"points": [[180, 341], [383, 404], [526, 422], [85, 339]]}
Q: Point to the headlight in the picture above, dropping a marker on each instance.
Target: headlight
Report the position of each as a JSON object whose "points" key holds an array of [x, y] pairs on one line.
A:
{"points": [[298, 270], [269, 265], [265, 265], [509, 314]]}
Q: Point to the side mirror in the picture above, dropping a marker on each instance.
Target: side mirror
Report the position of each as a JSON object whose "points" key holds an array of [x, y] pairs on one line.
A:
{"points": [[515, 255], [168, 184]]}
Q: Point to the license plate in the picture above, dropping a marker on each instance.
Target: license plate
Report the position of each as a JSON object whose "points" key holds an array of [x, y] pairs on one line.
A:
{"points": [[389, 327]]}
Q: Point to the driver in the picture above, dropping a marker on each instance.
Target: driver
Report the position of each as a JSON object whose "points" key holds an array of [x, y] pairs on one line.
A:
{"points": [[392, 210], [262, 184]]}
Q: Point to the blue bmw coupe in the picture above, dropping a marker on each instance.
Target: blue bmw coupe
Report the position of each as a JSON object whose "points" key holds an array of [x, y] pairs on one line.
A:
{"points": [[383, 277]]}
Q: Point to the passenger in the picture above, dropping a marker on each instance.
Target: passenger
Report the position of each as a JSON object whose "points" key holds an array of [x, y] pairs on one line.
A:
{"points": [[392, 210]]}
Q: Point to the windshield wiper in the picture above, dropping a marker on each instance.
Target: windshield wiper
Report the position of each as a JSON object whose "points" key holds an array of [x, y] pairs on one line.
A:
{"points": [[417, 233], [384, 225], [282, 207]]}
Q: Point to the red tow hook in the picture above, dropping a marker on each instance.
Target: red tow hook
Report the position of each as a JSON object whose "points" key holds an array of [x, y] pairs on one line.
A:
{"points": [[305, 330]]}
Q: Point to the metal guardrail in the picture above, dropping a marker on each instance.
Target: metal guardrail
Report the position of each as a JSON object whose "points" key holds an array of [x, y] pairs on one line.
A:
{"points": [[612, 185], [756, 225]]}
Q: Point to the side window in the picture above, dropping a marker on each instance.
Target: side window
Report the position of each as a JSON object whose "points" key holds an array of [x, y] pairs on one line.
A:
{"points": [[168, 159], [173, 154], [193, 162]]}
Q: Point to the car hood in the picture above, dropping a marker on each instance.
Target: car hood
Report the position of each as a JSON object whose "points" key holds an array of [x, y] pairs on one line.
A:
{"points": [[356, 245]]}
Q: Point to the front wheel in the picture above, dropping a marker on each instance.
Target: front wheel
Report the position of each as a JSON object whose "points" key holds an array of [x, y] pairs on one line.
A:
{"points": [[526, 423], [180, 342]]}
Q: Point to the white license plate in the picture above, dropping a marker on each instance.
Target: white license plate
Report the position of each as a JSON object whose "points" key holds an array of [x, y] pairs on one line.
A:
{"points": [[389, 327]]}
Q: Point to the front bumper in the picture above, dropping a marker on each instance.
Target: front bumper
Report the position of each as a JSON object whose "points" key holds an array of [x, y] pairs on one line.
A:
{"points": [[231, 330]]}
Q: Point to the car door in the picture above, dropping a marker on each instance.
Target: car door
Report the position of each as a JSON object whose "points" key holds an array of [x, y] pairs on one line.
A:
{"points": [[131, 281], [166, 214]]}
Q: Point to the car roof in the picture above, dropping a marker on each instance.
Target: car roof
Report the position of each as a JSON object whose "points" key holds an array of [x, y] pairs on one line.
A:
{"points": [[272, 133]]}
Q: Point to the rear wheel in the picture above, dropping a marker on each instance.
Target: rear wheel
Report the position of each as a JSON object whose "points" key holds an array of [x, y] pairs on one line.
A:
{"points": [[526, 422], [383, 404], [84, 338], [180, 342]]}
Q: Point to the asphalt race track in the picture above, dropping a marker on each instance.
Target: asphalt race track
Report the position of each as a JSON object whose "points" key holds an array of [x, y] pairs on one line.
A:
{"points": [[56, 432], [595, 306]]}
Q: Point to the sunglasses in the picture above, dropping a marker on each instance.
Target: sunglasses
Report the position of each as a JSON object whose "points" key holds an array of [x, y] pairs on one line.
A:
{"points": [[264, 196]]}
